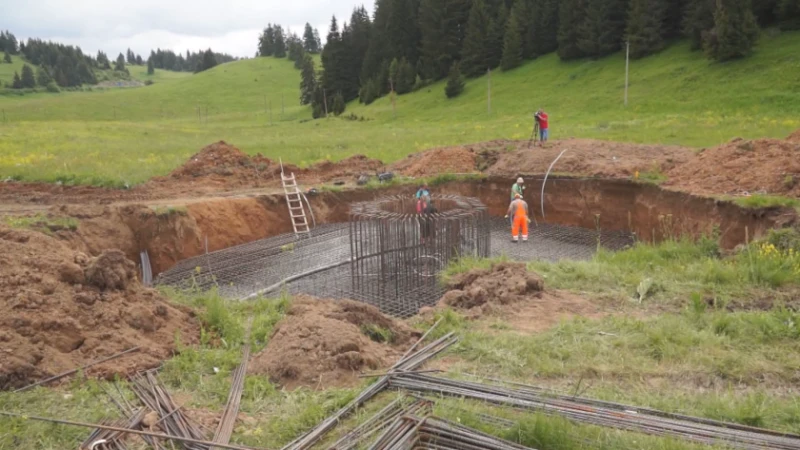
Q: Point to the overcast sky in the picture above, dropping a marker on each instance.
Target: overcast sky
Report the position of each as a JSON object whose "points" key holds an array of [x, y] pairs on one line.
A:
{"points": [[228, 26]]}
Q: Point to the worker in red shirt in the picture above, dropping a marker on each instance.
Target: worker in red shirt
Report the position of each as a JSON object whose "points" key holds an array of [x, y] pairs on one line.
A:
{"points": [[541, 118]]}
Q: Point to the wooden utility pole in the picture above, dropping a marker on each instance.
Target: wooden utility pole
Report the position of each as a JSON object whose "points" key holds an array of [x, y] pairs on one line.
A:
{"points": [[325, 100], [282, 106], [489, 90], [270, 113], [627, 65]]}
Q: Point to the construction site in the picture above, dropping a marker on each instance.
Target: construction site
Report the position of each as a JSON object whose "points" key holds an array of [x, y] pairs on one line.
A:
{"points": [[87, 276]]}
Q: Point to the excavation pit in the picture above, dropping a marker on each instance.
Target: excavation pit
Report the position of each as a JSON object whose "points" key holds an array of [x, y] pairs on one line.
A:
{"points": [[582, 215], [380, 257]]}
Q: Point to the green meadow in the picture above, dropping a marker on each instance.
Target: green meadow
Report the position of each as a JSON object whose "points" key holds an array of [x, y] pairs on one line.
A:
{"points": [[122, 137]]}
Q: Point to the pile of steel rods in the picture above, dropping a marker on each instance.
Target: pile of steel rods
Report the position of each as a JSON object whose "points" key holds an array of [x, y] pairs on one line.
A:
{"points": [[172, 420], [380, 421], [228, 420], [412, 431], [594, 412], [105, 439], [411, 360]]}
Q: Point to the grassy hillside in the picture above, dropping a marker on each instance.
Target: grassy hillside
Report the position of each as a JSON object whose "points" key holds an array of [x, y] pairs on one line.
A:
{"points": [[7, 70], [125, 136]]}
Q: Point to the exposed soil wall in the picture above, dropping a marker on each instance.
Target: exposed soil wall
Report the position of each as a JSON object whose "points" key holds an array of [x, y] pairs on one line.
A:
{"points": [[651, 212], [170, 235]]}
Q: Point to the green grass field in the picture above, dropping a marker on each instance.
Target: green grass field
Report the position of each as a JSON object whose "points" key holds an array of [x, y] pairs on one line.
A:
{"points": [[7, 70], [123, 137]]}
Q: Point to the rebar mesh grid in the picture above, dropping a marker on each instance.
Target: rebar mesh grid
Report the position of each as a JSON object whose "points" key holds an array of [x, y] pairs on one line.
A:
{"points": [[397, 253], [320, 264]]}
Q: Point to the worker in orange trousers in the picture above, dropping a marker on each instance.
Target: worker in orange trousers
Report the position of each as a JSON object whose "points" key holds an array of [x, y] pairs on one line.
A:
{"points": [[519, 209]]}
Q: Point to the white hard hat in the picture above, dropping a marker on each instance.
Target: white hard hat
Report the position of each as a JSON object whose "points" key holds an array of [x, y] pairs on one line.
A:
{"points": [[519, 180]]}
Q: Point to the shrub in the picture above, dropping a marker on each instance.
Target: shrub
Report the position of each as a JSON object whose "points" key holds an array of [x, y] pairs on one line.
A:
{"points": [[52, 87], [455, 82]]}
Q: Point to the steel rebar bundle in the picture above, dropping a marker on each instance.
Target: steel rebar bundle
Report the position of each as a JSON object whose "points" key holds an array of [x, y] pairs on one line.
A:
{"points": [[172, 420], [381, 420], [396, 253], [411, 431], [411, 360], [595, 412], [228, 420]]}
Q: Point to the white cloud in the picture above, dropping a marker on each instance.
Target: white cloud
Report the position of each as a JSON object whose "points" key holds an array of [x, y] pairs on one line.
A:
{"points": [[231, 26]]}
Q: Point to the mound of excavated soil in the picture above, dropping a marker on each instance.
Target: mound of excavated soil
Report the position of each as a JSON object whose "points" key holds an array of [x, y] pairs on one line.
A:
{"points": [[503, 284], [327, 343], [437, 161], [62, 309], [516, 296], [346, 169], [794, 137], [769, 166], [587, 157], [225, 164]]}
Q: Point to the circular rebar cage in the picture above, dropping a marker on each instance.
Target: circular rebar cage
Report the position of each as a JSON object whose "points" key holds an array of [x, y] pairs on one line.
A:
{"points": [[396, 253]]}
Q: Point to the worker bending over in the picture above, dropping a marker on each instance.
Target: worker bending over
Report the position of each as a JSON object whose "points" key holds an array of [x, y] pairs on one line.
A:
{"points": [[518, 209], [517, 188]]}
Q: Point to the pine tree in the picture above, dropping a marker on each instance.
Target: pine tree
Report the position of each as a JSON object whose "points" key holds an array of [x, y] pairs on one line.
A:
{"points": [[319, 41], [7, 57], [673, 13], [309, 40], [644, 31], [356, 44], [403, 29], [512, 45], [788, 14], [369, 92], [266, 42], [495, 33], [378, 53], [308, 81], [735, 31], [120, 64], [43, 76], [570, 19], [139, 60], [442, 26], [131, 58], [698, 20], [603, 27], [151, 69], [455, 83], [28, 80], [338, 104], [279, 42], [406, 77], [546, 26], [473, 53], [209, 60], [766, 11], [17, 83]]}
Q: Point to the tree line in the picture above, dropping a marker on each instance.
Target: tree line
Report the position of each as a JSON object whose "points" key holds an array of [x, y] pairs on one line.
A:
{"points": [[190, 62], [407, 44], [63, 66]]}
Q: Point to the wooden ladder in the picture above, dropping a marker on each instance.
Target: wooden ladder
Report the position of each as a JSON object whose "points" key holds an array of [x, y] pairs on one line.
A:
{"points": [[294, 199]]}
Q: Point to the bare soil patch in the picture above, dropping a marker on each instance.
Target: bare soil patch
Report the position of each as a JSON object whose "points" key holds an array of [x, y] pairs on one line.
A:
{"points": [[63, 309], [588, 157], [437, 161], [324, 343], [741, 167], [517, 296]]}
